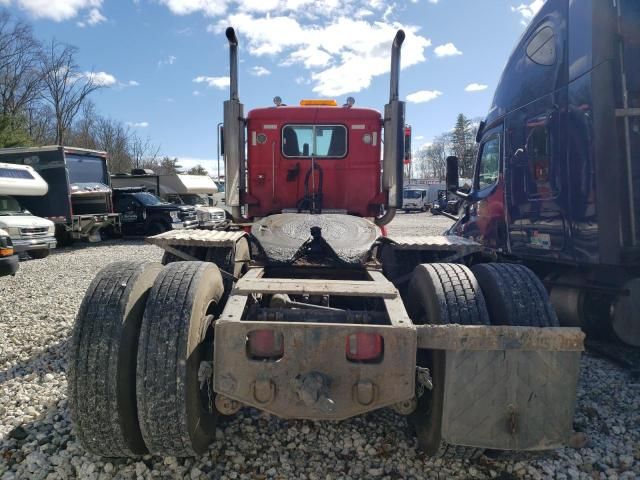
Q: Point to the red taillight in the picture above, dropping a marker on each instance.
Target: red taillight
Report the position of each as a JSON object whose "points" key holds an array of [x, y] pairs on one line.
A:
{"points": [[265, 344], [365, 347]]}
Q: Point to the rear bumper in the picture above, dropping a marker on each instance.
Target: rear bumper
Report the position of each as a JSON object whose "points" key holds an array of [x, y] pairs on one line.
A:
{"points": [[87, 225], [189, 224], [43, 243], [314, 350], [9, 265]]}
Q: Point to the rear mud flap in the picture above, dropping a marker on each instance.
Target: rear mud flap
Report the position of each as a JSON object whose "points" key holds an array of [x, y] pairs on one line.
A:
{"points": [[510, 399], [507, 388]]}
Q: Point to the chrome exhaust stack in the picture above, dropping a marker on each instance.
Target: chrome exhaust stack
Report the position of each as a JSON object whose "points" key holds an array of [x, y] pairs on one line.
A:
{"points": [[393, 156], [234, 160]]}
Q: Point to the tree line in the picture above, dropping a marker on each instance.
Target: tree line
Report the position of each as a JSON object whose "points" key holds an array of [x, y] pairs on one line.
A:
{"points": [[431, 161], [45, 100]]}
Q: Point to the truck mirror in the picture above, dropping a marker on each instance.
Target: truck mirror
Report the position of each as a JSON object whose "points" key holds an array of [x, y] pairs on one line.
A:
{"points": [[305, 150], [452, 174]]}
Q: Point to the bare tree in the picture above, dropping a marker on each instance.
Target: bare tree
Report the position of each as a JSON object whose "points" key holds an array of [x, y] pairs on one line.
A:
{"points": [[66, 87], [113, 137], [20, 76], [83, 133], [143, 152]]}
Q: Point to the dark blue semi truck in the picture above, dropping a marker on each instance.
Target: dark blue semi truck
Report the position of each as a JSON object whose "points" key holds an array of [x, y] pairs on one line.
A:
{"points": [[557, 178]]}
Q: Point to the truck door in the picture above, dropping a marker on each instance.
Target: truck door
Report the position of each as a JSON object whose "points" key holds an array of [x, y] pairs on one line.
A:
{"points": [[131, 215], [535, 169]]}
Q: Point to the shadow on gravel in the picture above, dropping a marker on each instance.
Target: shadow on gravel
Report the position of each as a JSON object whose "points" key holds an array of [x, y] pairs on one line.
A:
{"points": [[50, 360]]}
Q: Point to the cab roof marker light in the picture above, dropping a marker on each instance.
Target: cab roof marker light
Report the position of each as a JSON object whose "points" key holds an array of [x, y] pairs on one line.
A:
{"points": [[311, 103]]}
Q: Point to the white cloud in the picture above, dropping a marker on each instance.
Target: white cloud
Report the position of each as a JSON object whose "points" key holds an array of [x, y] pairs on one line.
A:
{"points": [[138, 124], [447, 50], [419, 137], [185, 7], [93, 18], [59, 10], [103, 79], [337, 66], [170, 60], [196, 93], [475, 87], [259, 71], [132, 83], [528, 10], [423, 96], [217, 82]]}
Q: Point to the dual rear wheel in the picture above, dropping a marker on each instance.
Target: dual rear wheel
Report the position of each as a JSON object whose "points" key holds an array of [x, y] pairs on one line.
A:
{"points": [[142, 337], [487, 294]]}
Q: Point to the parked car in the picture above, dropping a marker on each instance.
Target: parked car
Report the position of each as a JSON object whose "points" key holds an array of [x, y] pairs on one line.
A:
{"points": [[9, 262], [143, 213]]}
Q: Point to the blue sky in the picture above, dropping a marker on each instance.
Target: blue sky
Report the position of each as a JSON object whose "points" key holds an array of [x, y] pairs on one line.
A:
{"points": [[166, 61]]}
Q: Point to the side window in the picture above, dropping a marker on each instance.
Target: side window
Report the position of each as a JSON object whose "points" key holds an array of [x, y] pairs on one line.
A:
{"points": [[126, 203], [541, 49], [540, 181], [489, 166]]}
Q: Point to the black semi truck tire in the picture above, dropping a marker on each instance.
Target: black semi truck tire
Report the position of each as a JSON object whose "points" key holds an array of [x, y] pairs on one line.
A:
{"points": [[441, 293], [176, 416], [102, 359], [515, 295]]}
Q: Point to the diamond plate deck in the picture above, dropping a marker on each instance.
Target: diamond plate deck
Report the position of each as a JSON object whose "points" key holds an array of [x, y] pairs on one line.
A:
{"points": [[436, 243], [196, 238]]}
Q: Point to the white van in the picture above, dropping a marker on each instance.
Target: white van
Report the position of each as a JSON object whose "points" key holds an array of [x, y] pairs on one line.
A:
{"points": [[28, 233]]}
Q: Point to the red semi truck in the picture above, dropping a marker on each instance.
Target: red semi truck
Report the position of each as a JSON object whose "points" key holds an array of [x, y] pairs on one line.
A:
{"points": [[305, 309]]}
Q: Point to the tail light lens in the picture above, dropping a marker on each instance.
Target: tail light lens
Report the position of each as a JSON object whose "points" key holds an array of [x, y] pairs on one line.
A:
{"points": [[265, 344], [365, 347]]}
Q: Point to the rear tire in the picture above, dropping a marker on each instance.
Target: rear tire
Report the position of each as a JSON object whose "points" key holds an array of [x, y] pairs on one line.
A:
{"points": [[102, 359], [515, 295], [177, 417], [441, 293], [63, 236]]}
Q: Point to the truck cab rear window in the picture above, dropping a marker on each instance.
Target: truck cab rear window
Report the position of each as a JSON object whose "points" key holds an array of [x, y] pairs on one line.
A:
{"points": [[320, 141], [15, 173]]}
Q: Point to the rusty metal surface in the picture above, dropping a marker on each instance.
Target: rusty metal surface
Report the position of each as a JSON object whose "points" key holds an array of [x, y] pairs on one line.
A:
{"points": [[510, 400], [349, 288], [313, 352], [482, 337], [196, 238], [282, 235], [435, 243]]}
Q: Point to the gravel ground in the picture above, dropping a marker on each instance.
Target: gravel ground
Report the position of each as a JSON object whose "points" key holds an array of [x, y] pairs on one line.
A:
{"points": [[37, 308]]}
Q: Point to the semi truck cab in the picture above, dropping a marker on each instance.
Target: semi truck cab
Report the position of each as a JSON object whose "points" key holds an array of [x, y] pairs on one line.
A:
{"points": [[557, 177]]}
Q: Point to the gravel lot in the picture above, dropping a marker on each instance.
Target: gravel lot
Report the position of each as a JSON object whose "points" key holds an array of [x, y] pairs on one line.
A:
{"points": [[37, 309]]}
